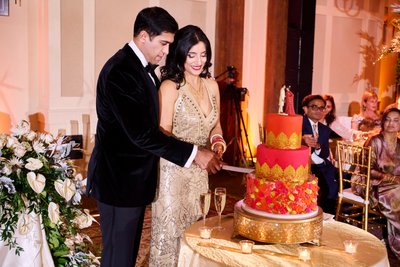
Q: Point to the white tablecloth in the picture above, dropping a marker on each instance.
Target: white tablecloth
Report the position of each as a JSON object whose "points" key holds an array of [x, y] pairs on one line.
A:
{"points": [[36, 250], [370, 252]]}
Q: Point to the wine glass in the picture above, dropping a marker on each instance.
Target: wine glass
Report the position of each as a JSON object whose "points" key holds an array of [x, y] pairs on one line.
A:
{"points": [[205, 200], [219, 201]]}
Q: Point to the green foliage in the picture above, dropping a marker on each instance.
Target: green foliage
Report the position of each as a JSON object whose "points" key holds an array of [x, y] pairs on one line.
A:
{"points": [[38, 181]]}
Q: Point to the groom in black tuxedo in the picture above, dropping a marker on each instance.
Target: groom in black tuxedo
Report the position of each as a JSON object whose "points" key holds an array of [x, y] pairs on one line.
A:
{"points": [[123, 169], [316, 136]]}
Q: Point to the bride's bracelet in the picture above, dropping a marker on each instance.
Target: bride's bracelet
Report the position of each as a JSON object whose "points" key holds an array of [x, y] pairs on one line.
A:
{"points": [[222, 143], [218, 139]]}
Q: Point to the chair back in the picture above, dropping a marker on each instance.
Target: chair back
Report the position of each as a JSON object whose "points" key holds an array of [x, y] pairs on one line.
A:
{"points": [[355, 161]]}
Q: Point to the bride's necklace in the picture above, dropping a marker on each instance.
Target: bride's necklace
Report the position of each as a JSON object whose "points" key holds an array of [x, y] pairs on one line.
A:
{"points": [[198, 93]]}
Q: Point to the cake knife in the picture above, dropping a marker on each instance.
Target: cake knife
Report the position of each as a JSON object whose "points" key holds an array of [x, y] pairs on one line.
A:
{"points": [[237, 169]]}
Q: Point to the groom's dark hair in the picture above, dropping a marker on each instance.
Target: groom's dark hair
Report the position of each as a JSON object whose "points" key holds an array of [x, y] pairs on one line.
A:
{"points": [[154, 20]]}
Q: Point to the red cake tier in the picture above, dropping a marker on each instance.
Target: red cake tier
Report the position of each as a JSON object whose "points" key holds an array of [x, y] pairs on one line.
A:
{"points": [[280, 197], [290, 165], [283, 131]]}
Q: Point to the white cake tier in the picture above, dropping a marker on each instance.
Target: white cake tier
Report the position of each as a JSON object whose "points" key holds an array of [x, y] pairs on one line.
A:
{"points": [[277, 216]]}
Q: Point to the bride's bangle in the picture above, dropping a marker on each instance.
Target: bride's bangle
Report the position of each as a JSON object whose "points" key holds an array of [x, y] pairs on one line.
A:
{"points": [[222, 143], [216, 136]]}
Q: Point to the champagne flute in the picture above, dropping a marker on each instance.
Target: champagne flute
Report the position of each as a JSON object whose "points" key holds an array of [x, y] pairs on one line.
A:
{"points": [[205, 200], [219, 201]]}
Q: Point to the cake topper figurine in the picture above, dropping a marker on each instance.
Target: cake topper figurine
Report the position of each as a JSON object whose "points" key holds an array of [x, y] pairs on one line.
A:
{"points": [[289, 105], [281, 99]]}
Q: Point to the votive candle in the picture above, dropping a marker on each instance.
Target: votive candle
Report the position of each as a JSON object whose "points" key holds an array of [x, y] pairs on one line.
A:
{"points": [[205, 232], [350, 246], [304, 254], [246, 246]]}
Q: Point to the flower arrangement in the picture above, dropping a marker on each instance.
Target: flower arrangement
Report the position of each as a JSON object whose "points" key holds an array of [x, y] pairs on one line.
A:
{"points": [[38, 181]]}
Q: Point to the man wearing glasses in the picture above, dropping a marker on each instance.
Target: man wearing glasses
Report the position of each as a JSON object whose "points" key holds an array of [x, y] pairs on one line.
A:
{"points": [[316, 136]]}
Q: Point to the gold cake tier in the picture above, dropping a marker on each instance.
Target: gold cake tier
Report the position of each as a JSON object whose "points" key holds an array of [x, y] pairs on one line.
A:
{"points": [[277, 231]]}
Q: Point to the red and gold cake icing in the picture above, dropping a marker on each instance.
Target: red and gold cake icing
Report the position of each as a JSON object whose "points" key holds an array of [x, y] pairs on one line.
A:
{"points": [[283, 131], [281, 197], [281, 183], [290, 165]]}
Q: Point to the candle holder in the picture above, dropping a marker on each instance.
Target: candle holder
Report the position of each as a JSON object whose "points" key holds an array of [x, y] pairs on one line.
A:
{"points": [[246, 246], [304, 254], [205, 232], [350, 246]]}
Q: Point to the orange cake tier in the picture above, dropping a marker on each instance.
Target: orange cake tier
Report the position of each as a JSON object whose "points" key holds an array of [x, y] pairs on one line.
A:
{"points": [[281, 197], [283, 131], [290, 165]]}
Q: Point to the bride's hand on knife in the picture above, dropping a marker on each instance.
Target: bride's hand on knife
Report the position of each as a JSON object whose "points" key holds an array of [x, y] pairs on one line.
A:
{"points": [[208, 160], [219, 150]]}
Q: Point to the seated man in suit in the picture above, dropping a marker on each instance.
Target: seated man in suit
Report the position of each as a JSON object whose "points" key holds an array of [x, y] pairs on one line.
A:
{"points": [[316, 136]]}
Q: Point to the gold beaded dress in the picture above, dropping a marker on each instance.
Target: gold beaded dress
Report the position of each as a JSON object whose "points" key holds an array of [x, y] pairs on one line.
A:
{"points": [[177, 202]]}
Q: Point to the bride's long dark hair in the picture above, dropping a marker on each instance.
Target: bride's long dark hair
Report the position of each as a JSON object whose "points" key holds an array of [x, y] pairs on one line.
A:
{"points": [[185, 39]]}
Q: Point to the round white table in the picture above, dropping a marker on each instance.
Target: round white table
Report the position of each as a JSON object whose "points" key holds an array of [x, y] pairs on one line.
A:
{"points": [[223, 248]]}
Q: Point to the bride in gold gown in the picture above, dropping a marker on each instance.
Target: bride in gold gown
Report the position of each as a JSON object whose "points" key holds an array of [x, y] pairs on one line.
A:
{"points": [[190, 112]]}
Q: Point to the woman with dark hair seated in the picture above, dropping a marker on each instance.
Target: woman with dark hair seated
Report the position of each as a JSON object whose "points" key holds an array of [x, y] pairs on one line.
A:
{"points": [[332, 121], [385, 174]]}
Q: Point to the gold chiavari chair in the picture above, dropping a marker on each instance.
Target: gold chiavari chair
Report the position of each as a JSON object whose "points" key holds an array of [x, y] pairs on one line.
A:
{"points": [[354, 163]]}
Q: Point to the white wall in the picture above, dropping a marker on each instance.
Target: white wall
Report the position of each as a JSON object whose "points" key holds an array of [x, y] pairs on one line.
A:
{"points": [[343, 58], [52, 52], [254, 55], [32, 40]]}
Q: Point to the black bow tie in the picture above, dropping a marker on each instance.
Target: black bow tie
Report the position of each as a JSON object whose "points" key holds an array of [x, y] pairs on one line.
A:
{"points": [[150, 67]]}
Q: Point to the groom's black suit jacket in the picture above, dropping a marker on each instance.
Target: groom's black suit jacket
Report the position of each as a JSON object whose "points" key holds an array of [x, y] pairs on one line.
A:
{"points": [[123, 168]]}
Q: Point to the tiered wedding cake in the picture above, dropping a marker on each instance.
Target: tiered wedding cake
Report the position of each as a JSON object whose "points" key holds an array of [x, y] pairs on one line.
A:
{"points": [[281, 196]]}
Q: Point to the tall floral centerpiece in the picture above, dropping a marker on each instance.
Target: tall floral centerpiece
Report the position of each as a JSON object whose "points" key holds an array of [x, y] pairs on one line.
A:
{"points": [[38, 186]]}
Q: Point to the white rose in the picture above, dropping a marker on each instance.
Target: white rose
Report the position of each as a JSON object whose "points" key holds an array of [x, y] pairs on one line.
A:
{"points": [[6, 170], [83, 221], [37, 182], [65, 188], [33, 164], [31, 135], [19, 150], [11, 141], [54, 212]]}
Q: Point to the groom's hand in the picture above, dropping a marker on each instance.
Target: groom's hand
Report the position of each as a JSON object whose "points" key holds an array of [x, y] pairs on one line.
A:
{"points": [[208, 160]]}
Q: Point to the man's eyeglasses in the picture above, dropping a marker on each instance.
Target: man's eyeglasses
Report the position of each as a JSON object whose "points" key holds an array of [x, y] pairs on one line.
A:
{"points": [[315, 108]]}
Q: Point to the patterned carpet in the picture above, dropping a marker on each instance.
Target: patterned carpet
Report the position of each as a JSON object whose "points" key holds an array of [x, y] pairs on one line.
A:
{"points": [[144, 250]]}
